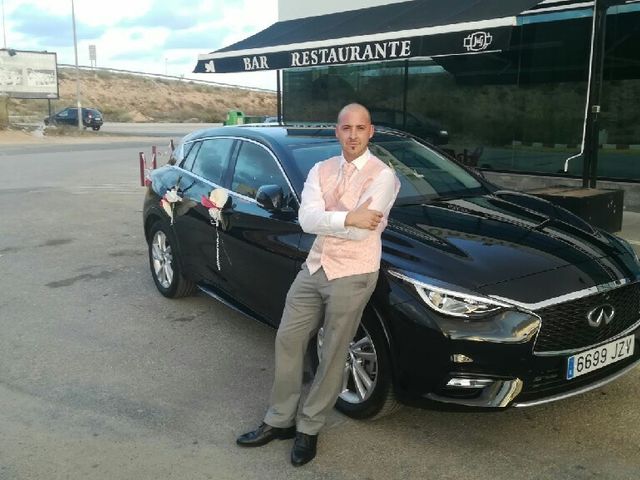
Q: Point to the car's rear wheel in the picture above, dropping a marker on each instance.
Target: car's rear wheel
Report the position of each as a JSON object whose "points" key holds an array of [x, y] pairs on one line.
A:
{"points": [[367, 387], [163, 260]]}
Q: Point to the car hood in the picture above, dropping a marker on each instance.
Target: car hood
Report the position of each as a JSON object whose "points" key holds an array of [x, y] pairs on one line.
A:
{"points": [[496, 247]]}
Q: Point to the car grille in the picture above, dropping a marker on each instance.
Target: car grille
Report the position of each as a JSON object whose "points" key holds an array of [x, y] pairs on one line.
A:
{"points": [[565, 326]]}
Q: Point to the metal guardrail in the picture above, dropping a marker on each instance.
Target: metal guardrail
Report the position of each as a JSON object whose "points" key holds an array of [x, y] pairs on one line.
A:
{"points": [[166, 77]]}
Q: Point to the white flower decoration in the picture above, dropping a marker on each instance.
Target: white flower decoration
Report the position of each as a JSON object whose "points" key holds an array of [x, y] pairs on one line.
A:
{"points": [[215, 203], [168, 200]]}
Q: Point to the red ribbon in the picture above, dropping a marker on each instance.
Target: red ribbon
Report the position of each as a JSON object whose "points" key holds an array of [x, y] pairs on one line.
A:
{"points": [[208, 203]]}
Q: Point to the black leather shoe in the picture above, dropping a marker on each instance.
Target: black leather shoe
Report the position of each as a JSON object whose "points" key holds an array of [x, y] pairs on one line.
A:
{"points": [[264, 434], [304, 449]]}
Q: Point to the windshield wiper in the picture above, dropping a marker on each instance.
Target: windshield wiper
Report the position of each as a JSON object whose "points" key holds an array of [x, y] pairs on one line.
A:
{"points": [[414, 201], [543, 223], [455, 196], [409, 203]]}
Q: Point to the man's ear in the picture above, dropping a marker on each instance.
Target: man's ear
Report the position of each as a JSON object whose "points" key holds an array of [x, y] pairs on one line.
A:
{"points": [[372, 131]]}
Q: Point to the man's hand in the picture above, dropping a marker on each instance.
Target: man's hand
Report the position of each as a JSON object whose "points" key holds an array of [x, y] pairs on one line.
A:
{"points": [[362, 217]]}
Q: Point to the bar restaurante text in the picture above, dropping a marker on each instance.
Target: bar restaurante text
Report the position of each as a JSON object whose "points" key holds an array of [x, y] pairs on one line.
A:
{"points": [[335, 55]]}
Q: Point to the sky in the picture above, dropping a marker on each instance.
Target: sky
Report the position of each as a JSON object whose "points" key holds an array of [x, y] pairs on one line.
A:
{"points": [[152, 36]]}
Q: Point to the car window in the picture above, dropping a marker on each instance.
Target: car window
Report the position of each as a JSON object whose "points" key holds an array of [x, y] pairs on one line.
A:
{"points": [[306, 156], [192, 150], [67, 113], [423, 173], [212, 159], [256, 167]]}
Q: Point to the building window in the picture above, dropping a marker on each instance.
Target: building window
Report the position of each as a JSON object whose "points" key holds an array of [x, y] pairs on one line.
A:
{"points": [[619, 136], [521, 110]]}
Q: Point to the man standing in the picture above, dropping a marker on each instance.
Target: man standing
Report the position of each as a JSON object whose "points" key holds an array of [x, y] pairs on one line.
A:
{"points": [[345, 202]]}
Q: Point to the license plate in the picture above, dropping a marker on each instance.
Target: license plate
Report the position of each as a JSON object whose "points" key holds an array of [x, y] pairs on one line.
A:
{"points": [[599, 357]]}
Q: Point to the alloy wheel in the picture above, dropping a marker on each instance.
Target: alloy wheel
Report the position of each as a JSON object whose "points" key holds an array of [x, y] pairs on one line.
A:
{"points": [[360, 369], [162, 259]]}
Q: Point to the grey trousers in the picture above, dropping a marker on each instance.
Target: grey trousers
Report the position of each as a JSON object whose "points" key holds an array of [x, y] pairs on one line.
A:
{"points": [[311, 300]]}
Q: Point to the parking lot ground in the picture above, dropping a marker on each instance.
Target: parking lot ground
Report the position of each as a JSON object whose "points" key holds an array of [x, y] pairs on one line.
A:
{"points": [[103, 378]]}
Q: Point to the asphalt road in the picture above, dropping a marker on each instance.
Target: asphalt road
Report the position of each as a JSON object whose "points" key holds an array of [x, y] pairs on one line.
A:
{"points": [[175, 130], [163, 130], [103, 378]]}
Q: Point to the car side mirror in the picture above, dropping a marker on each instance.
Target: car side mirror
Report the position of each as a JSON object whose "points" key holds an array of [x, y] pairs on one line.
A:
{"points": [[270, 197]]}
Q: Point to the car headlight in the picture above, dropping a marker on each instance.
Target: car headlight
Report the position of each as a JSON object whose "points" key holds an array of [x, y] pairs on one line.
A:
{"points": [[452, 303]]}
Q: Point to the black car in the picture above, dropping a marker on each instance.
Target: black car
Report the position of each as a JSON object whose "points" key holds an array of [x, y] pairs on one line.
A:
{"points": [[91, 118], [486, 298]]}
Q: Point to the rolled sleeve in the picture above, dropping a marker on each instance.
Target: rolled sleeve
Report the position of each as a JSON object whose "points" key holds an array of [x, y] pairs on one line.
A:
{"points": [[312, 215], [382, 191], [315, 219]]}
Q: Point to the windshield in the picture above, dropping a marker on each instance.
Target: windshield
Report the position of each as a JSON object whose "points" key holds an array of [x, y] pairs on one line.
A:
{"points": [[424, 174]]}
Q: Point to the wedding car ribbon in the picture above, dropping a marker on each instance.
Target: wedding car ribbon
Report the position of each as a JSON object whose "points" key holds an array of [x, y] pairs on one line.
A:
{"points": [[215, 203], [168, 200]]}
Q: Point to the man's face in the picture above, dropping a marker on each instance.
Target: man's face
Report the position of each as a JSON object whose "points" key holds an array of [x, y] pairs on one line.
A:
{"points": [[354, 130]]}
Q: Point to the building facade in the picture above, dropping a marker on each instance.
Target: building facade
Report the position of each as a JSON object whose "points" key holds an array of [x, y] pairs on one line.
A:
{"points": [[518, 110]]}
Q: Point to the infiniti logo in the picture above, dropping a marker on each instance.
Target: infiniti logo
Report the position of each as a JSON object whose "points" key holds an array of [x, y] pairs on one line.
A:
{"points": [[599, 314]]}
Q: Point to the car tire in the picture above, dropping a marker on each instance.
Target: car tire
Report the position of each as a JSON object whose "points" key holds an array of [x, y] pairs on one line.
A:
{"points": [[164, 263], [95, 128], [362, 402]]}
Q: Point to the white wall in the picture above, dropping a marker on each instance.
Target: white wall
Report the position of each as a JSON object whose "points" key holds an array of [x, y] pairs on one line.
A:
{"points": [[290, 9]]}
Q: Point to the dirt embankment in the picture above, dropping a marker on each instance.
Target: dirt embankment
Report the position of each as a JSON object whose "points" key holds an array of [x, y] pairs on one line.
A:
{"points": [[131, 98]]}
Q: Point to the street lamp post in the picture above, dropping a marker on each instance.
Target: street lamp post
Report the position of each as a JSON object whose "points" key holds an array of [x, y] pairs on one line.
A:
{"points": [[75, 48], [4, 30], [4, 97]]}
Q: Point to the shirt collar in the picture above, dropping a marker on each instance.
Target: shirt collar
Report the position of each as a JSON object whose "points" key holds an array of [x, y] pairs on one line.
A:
{"points": [[359, 162]]}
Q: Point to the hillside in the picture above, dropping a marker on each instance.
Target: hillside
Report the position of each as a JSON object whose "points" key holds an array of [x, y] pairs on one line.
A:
{"points": [[131, 98]]}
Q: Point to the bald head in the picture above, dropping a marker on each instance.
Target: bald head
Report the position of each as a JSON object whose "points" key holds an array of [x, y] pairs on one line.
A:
{"points": [[354, 108], [354, 130]]}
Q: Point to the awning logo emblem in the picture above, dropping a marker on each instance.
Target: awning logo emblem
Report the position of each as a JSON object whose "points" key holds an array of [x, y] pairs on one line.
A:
{"points": [[209, 67], [477, 41]]}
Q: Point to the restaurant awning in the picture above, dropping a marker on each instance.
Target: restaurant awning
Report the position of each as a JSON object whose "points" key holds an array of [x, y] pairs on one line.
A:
{"points": [[397, 31]]}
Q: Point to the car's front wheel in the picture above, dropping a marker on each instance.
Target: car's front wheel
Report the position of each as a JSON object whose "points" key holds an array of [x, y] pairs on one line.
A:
{"points": [[163, 260], [367, 388], [96, 128]]}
